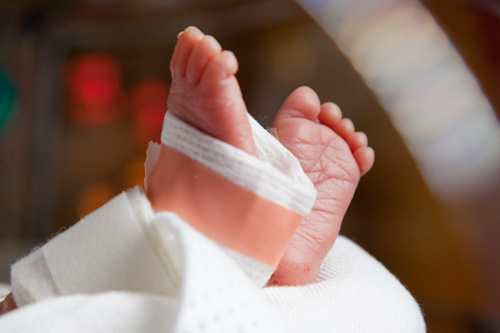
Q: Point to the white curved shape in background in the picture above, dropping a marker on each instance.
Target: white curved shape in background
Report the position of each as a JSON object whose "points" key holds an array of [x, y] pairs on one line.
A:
{"points": [[424, 85]]}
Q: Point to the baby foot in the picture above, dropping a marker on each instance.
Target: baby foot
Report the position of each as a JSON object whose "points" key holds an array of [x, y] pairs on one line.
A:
{"points": [[334, 157], [205, 92]]}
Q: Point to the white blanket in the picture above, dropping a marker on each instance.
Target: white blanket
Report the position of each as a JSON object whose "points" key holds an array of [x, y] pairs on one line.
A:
{"points": [[126, 268]]}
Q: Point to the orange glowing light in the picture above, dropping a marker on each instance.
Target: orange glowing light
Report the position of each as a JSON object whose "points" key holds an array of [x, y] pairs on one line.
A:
{"points": [[133, 174], [93, 197]]}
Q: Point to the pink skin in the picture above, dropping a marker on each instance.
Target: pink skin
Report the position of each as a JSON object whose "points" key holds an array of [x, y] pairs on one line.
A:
{"points": [[206, 94], [334, 157]]}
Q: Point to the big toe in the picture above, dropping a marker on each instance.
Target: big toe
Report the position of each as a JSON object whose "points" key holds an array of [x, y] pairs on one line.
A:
{"points": [[303, 102]]}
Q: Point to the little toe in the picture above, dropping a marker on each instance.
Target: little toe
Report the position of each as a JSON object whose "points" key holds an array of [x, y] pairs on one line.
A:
{"points": [[187, 40], [330, 114], [201, 54], [344, 128], [365, 157], [303, 102]]}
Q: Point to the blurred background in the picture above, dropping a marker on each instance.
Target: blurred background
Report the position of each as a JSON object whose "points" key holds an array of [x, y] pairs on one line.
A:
{"points": [[83, 89]]}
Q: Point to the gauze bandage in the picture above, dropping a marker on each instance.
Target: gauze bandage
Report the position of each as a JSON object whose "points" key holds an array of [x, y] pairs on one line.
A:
{"points": [[247, 204]]}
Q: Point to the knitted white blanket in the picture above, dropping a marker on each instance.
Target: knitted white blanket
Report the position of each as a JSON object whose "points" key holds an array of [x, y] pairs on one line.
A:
{"points": [[127, 268]]}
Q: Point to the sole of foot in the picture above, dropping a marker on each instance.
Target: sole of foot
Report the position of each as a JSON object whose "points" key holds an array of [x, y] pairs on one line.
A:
{"points": [[334, 156]]}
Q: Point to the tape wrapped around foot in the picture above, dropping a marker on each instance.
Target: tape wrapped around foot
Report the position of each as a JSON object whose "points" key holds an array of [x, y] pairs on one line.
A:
{"points": [[247, 204]]}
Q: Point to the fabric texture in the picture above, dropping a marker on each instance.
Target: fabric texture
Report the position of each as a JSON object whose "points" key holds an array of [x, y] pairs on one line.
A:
{"points": [[353, 293], [126, 268]]}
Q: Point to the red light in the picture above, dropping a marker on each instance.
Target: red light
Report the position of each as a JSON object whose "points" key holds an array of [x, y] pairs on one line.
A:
{"points": [[149, 104], [94, 87]]}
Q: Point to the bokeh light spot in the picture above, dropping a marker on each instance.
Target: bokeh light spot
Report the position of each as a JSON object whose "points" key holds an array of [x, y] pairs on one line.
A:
{"points": [[94, 88], [7, 100], [149, 104], [133, 174], [93, 197]]}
